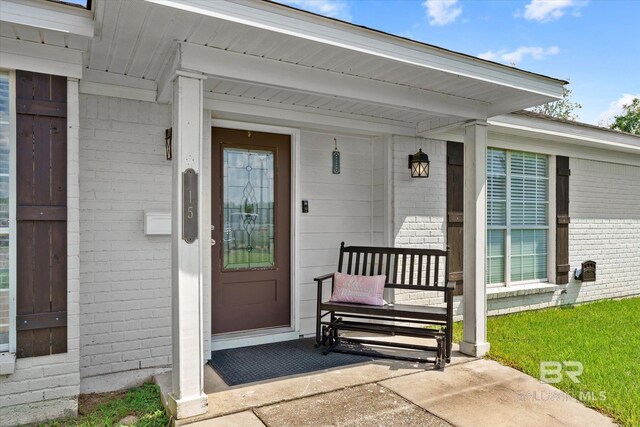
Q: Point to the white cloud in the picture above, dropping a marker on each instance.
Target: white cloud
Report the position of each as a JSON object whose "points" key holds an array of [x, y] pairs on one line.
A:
{"points": [[516, 56], [442, 12], [550, 10], [615, 108], [331, 8]]}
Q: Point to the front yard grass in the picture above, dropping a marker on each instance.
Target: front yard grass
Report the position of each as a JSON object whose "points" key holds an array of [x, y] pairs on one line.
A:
{"points": [[107, 409], [604, 336]]}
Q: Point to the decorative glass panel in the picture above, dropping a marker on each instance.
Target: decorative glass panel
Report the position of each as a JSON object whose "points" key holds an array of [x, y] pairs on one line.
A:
{"points": [[248, 188], [4, 211]]}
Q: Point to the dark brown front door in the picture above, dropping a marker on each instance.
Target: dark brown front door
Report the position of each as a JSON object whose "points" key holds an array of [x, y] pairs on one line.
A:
{"points": [[250, 206]]}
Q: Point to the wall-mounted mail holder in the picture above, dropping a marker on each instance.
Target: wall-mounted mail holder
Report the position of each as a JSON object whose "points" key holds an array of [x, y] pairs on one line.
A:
{"points": [[157, 223], [586, 272]]}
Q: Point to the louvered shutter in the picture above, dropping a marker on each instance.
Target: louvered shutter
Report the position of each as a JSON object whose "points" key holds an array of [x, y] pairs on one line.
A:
{"points": [[41, 214], [562, 220], [455, 203]]}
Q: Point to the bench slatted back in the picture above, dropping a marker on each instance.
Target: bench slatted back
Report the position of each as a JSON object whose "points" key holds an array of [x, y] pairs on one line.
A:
{"points": [[405, 268]]}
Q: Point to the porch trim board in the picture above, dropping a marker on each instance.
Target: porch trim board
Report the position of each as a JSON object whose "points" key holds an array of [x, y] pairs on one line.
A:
{"points": [[251, 338], [256, 109], [474, 286], [187, 396], [238, 67], [37, 57]]}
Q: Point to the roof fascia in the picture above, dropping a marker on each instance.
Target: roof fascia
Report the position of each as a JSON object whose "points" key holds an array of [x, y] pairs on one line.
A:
{"points": [[49, 16], [276, 18], [565, 132], [40, 58]]}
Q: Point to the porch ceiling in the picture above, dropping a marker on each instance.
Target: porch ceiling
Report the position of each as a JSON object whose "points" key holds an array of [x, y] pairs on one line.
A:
{"points": [[135, 40], [218, 89]]}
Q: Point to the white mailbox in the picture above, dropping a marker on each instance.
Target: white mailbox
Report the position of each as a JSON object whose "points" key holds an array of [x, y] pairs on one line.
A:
{"points": [[157, 223]]}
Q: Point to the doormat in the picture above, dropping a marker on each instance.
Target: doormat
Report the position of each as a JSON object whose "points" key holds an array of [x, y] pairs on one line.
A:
{"points": [[267, 361]]}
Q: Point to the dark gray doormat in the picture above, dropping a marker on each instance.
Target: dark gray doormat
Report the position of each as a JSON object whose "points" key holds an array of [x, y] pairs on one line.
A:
{"points": [[267, 361]]}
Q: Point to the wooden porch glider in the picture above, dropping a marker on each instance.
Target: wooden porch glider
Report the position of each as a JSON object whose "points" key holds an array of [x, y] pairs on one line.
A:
{"points": [[405, 268]]}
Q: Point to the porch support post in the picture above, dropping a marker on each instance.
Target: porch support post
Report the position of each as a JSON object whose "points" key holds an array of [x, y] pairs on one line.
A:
{"points": [[187, 397], [475, 201]]}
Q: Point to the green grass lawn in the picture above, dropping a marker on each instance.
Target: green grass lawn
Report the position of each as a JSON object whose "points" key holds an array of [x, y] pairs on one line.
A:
{"points": [[603, 336], [100, 410]]}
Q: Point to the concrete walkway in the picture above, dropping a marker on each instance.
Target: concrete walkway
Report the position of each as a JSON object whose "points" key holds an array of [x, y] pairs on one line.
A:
{"points": [[470, 392]]}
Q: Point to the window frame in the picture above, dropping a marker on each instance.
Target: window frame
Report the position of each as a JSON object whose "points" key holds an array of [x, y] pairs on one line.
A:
{"points": [[508, 227], [11, 347]]}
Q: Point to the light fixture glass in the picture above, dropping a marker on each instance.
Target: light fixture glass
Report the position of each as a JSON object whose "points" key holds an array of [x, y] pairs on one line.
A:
{"points": [[419, 164]]}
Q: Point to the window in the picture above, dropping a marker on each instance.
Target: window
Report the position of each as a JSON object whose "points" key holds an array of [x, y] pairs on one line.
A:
{"points": [[5, 228], [85, 4], [517, 216]]}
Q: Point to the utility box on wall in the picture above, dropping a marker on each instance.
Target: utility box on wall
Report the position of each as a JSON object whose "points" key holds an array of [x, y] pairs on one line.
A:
{"points": [[587, 272]]}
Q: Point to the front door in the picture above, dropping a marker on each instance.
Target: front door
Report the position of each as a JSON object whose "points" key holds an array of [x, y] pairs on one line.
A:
{"points": [[251, 231]]}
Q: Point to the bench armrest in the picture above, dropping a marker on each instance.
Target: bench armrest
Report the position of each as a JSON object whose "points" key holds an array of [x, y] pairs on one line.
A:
{"points": [[322, 278]]}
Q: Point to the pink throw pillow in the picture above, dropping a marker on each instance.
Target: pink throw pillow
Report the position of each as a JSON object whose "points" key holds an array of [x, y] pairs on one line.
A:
{"points": [[358, 289]]}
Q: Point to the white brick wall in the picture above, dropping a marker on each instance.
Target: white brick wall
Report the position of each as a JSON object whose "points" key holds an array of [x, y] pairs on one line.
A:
{"points": [[47, 387], [419, 205], [125, 296], [605, 227]]}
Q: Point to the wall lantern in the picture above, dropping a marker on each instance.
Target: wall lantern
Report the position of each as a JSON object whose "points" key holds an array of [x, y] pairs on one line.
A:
{"points": [[168, 137], [419, 165]]}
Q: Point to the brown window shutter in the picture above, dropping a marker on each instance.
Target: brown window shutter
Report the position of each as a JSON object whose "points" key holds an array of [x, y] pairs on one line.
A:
{"points": [[455, 203], [41, 214], [562, 220]]}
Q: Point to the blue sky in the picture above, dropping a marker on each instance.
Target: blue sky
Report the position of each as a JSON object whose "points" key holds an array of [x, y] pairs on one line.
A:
{"points": [[593, 44]]}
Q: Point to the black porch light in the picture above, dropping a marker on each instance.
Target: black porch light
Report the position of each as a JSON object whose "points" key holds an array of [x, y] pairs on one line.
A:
{"points": [[419, 165]]}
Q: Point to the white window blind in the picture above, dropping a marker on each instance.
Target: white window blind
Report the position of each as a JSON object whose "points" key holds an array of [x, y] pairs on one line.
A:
{"points": [[496, 214], [517, 216]]}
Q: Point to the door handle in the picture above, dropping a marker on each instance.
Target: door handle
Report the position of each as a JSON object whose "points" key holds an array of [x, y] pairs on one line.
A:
{"points": [[213, 242]]}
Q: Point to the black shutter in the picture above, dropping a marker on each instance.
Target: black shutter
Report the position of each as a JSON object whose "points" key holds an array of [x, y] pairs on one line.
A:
{"points": [[562, 220], [455, 210], [41, 214]]}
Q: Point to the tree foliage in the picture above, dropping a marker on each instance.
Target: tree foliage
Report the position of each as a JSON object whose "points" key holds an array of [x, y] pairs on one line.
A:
{"points": [[563, 108], [629, 121]]}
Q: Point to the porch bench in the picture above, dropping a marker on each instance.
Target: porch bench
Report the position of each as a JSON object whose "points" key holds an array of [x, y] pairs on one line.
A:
{"points": [[404, 268]]}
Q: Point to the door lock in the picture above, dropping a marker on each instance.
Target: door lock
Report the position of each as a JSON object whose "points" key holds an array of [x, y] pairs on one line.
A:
{"points": [[213, 242]]}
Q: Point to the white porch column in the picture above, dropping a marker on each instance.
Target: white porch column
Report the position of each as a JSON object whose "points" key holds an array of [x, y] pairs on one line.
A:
{"points": [[475, 200], [187, 397]]}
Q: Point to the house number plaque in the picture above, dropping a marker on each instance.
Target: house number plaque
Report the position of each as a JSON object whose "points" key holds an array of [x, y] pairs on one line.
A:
{"points": [[189, 205]]}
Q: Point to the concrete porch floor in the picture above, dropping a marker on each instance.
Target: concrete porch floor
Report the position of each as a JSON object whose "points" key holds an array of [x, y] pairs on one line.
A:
{"points": [[470, 392]]}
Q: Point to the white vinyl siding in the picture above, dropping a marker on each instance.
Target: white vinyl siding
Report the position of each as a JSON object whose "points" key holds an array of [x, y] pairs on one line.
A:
{"points": [[517, 216]]}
